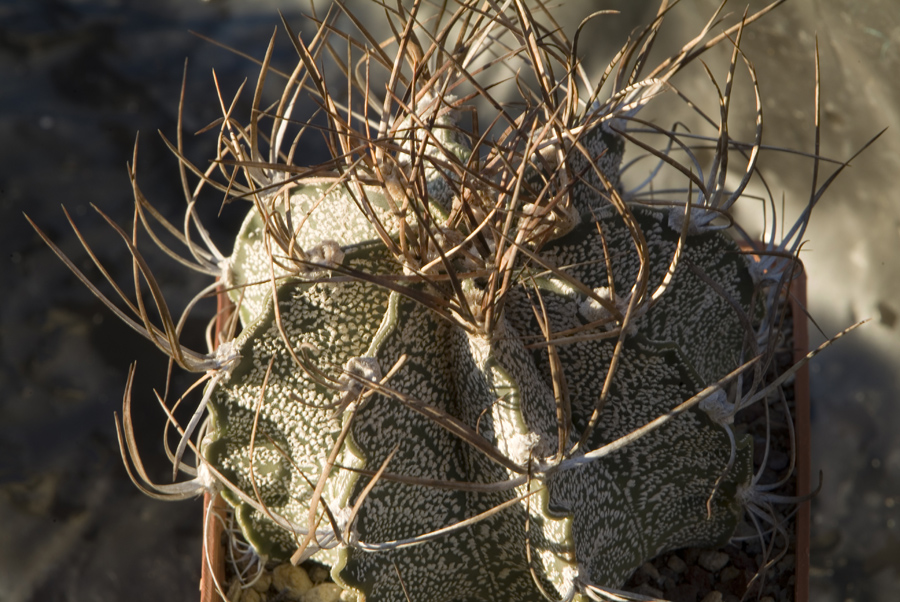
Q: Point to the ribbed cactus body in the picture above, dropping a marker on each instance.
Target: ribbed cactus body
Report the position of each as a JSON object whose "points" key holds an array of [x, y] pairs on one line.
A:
{"points": [[593, 522], [480, 353]]}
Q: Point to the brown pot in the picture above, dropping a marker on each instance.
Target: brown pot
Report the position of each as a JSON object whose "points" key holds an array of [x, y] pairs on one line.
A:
{"points": [[213, 549], [213, 558]]}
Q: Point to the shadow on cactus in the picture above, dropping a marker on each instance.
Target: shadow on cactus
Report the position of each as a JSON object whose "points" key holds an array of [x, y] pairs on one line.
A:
{"points": [[469, 360]]}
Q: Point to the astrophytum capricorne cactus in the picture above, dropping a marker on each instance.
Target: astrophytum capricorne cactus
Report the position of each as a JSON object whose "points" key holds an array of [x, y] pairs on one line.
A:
{"points": [[473, 363]]}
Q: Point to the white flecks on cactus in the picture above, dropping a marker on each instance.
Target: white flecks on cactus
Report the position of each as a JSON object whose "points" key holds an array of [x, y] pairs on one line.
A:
{"points": [[471, 364]]}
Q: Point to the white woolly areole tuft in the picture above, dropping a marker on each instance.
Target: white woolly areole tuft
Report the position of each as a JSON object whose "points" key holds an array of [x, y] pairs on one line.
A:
{"points": [[327, 253], [699, 218], [227, 357], [717, 407], [521, 446], [226, 271], [591, 310], [206, 479], [362, 368], [342, 517]]}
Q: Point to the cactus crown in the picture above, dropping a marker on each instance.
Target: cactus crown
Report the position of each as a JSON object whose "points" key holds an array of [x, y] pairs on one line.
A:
{"points": [[468, 362]]}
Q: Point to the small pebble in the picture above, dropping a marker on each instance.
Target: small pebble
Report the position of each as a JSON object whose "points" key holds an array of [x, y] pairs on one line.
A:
{"points": [[788, 563], [713, 561], [262, 584], [234, 591], [650, 571], [683, 592], [325, 592], [728, 573], [778, 460], [251, 595], [676, 564], [667, 584], [318, 573], [713, 596], [292, 579], [700, 577]]}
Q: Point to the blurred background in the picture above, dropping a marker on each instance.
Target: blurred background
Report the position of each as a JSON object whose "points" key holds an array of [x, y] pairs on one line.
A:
{"points": [[79, 79]]}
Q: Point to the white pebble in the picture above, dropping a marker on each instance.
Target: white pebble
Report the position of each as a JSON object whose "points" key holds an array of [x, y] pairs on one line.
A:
{"points": [[650, 571], [251, 595], [291, 578], [728, 573], [326, 592], [234, 591], [262, 584], [676, 564], [713, 561], [318, 574]]}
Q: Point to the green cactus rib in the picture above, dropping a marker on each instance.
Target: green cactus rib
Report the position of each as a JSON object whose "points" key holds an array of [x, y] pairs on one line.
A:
{"points": [[592, 524]]}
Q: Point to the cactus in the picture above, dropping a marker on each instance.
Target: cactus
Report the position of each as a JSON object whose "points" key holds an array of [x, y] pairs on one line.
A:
{"points": [[604, 515], [474, 364]]}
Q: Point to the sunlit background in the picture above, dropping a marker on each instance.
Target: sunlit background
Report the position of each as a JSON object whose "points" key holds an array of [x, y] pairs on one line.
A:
{"points": [[78, 80]]}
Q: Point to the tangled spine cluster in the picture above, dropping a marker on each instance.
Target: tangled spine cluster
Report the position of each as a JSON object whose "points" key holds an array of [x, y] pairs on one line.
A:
{"points": [[468, 362]]}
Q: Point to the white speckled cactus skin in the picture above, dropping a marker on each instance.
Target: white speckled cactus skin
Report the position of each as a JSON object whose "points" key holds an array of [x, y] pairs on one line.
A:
{"points": [[594, 522], [472, 363]]}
